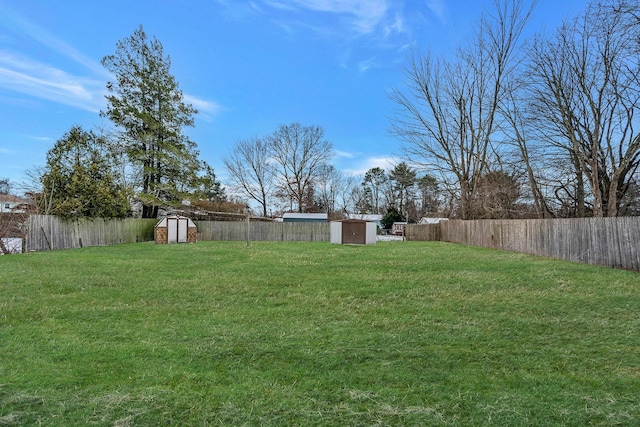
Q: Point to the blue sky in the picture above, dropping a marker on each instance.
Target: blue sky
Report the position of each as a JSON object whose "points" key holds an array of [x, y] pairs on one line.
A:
{"points": [[249, 66]]}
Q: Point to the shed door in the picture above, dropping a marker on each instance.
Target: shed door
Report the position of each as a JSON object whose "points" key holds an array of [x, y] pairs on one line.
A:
{"points": [[172, 230], [183, 226], [353, 232], [177, 229]]}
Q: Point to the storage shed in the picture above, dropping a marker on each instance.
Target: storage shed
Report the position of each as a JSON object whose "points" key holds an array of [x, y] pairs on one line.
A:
{"points": [[176, 229], [352, 231]]}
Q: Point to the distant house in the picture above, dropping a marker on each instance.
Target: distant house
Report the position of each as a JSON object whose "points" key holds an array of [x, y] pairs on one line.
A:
{"points": [[398, 228], [425, 220], [305, 217], [368, 217], [12, 204]]}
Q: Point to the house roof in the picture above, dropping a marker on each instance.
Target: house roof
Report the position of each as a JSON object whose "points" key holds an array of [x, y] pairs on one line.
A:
{"points": [[308, 216], [8, 198], [366, 217], [425, 220]]}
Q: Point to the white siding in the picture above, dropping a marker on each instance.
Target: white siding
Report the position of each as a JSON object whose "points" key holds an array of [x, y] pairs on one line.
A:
{"points": [[335, 232]]}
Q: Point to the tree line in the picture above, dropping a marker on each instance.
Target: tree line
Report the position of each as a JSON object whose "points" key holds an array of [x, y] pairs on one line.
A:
{"points": [[290, 170], [507, 126], [548, 122]]}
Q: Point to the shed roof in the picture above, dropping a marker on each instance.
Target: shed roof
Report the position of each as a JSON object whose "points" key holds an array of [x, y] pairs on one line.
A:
{"points": [[163, 221]]}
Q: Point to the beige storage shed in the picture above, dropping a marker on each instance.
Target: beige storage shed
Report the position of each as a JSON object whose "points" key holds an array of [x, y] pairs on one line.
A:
{"points": [[176, 229]]}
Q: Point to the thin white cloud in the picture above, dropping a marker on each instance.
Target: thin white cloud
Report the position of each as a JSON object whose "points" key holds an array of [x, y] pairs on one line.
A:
{"points": [[438, 8], [395, 26], [357, 26], [21, 74], [276, 5], [367, 64], [47, 39], [39, 138], [24, 75], [203, 105], [361, 167], [344, 154], [365, 15]]}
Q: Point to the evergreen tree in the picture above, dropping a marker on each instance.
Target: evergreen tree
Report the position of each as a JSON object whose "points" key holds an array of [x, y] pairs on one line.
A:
{"points": [[5, 186], [429, 189], [208, 187], [403, 179], [80, 179], [146, 103], [373, 181], [392, 215]]}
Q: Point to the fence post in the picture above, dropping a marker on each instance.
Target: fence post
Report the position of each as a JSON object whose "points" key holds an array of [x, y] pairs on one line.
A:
{"points": [[248, 229]]}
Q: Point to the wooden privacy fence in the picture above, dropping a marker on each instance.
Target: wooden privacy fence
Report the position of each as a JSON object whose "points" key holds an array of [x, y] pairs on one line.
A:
{"points": [[430, 232], [47, 232], [264, 231], [610, 242]]}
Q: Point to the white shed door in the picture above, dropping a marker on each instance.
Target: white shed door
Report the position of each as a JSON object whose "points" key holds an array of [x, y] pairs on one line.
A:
{"points": [[183, 226], [172, 230], [177, 230]]}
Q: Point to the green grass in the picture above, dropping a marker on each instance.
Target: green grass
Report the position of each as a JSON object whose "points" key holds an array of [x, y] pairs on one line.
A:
{"points": [[412, 333]]}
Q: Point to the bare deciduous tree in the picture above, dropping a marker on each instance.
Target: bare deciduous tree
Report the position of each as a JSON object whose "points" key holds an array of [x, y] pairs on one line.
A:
{"points": [[328, 186], [521, 135], [251, 170], [300, 153], [450, 112], [584, 89]]}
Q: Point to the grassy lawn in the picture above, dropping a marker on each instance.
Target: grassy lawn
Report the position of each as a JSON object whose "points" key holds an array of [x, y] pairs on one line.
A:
{"points": [[400, 333]]}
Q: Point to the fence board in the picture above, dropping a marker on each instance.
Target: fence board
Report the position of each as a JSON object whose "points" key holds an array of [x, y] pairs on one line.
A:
{"points": [[47, 232], [264, 231], [428, 232], [609, 242]]}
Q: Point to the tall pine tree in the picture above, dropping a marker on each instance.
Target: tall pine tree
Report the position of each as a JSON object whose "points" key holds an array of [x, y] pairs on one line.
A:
{"points": [[147, 104]]}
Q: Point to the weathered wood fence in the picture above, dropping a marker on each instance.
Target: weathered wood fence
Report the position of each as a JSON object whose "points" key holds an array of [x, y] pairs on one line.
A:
{"points": [[47, 232], [264, 231], [429, 232], [610, 242]]}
